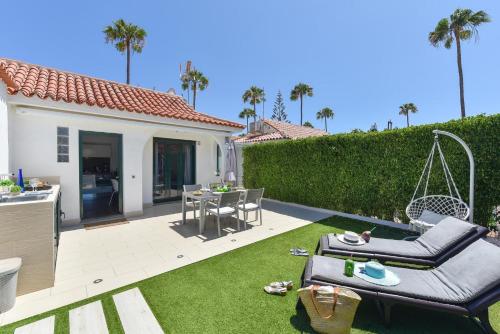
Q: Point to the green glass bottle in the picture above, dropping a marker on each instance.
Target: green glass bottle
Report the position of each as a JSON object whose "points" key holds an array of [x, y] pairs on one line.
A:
{"points": [[349, 268]]}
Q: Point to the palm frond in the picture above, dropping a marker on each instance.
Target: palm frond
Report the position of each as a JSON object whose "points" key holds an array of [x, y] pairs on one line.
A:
{"points": [[441, 33], [124, 34], [301, 89]]}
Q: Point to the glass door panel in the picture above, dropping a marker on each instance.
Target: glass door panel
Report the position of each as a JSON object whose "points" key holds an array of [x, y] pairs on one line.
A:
{"points": [[173, 166]]}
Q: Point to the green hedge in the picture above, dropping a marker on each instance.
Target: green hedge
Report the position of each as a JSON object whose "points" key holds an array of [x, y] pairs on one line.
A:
{"points": [[376, 173]]}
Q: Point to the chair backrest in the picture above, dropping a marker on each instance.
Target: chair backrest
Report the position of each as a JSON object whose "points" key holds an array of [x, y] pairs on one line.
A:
{"points": [[473, 271], [254, 195], [449, 232], [115, 184], [192, 187], [229, 199]]}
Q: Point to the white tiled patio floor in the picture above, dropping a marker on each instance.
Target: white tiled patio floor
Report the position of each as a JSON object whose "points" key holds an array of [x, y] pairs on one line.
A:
{"points": [[147, 246]]}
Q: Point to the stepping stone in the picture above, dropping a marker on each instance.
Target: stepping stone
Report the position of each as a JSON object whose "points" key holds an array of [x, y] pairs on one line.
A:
{"points": [[135, 314], [88, 319], [44, 326]]}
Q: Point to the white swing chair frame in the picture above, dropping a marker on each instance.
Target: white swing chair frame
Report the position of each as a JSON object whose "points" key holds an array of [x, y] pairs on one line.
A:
{"points": [[417, 205]]}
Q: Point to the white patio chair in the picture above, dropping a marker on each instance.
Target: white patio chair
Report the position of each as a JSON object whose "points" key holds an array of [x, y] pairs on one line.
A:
{"points": [[116, 188], [226, 205], [252, 201], [191, 202]]}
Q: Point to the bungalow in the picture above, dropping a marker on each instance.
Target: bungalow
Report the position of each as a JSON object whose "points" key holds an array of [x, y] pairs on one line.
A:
{"points": [[115, 148], [268, 130]]}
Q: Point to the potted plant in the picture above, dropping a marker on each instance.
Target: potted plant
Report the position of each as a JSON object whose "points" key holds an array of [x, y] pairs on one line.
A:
{"points": [[15, 190], [5, 185]]}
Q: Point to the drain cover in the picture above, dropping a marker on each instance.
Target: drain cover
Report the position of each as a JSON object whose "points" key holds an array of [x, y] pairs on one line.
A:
{"points": [[97, 281], [233, 240], [180, 256]]}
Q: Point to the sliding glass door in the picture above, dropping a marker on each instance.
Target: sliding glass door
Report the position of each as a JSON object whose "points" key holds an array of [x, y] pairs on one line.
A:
{"points": [[173, 166]]}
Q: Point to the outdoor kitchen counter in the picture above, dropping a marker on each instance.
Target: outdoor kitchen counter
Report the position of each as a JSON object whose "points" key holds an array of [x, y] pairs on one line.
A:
{"points": [[28, 229]]}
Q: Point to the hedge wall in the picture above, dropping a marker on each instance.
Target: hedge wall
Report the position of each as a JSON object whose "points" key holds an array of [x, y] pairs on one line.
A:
{"points": [[376, 173]]}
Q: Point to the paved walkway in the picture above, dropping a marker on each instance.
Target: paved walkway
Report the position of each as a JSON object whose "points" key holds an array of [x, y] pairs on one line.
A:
{"points": [[147, 246]]}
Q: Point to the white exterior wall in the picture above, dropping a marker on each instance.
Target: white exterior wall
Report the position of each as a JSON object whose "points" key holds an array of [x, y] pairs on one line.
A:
{"points": [[4, 130], [33, 145]]}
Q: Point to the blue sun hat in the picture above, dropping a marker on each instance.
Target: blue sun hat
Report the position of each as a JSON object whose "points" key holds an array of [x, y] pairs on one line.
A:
{"points": [[375, 273]]}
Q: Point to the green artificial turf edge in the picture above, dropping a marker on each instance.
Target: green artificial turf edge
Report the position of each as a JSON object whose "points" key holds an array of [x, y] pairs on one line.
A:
{"points": [[223, 294]]}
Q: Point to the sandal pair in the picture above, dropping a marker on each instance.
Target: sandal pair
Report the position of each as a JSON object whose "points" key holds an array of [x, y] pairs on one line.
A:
{"points": [[278, 288]]}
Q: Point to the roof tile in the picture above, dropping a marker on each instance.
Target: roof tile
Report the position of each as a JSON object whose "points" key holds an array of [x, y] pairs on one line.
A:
{"points": [[284, 130], [58, 85]]}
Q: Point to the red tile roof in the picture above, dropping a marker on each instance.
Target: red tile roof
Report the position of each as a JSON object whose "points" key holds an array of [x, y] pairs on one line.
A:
{"points": [[283, 131], [48, 83], [260, 138], [293, 131]]}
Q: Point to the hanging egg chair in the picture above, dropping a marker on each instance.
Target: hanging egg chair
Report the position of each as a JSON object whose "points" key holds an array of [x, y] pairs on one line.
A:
{"points": [[426, 211]]}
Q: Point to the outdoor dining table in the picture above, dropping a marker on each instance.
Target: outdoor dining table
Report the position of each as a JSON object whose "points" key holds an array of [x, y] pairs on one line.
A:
{"points": [[204, 198]]}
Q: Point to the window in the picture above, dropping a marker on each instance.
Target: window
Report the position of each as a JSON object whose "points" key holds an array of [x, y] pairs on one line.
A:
{"points": [[62, 144], [219, 155]]}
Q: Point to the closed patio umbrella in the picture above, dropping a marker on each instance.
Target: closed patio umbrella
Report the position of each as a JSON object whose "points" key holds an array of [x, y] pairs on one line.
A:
{"points": [[230, 174]]}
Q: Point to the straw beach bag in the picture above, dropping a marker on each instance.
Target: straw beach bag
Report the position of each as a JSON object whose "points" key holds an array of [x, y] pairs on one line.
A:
{"points": [[331, 310]]}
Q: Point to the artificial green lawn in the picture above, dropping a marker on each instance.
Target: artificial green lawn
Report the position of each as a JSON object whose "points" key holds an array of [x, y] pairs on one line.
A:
{"points": [[224, 294]]}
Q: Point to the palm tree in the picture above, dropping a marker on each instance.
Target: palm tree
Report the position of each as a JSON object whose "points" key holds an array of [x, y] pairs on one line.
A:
{"points": [[194, 80], [126, 37], [462, 25], [254, 95], [247, 113], [298, 92], [308, 124], [326, 113], [406, 109]]}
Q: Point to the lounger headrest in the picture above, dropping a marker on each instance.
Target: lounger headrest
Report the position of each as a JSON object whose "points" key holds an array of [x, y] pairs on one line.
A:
{"points": [[445, 234], [473, 271]]}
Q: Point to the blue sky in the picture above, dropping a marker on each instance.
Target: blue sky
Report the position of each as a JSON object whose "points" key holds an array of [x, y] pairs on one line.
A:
{"points": [[363, 58]]}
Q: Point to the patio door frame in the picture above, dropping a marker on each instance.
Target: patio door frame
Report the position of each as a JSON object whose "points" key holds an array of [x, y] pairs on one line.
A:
{"points": [[119, 136], [193, 159]]}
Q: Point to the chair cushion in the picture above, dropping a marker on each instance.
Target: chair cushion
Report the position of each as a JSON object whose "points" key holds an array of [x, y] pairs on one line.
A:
{"points": [[459, 280], [473, 271], [429, 217], [248, 206], [445, 234], [429, 245], [414, 283], [223, 211], [382, 246]]}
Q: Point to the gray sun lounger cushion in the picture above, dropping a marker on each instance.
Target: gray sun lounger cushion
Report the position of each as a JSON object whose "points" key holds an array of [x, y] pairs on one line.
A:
{"points": [[457, 281], [430, 244]]}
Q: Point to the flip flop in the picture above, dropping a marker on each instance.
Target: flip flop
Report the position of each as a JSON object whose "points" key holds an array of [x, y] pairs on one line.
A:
{"points": [[284, 284], [300, 252], [275, 290]]}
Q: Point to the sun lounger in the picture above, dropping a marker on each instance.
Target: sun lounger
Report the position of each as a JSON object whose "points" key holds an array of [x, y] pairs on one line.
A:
{"points": [[466, 284], [432, 248]]}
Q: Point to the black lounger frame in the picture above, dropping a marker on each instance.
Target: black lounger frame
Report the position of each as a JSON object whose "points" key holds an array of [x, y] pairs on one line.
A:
{"points": [[476, 308]]}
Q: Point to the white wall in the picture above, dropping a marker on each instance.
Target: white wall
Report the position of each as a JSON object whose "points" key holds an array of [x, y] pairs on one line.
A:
{"points": [[34, 148], [4, 130]]}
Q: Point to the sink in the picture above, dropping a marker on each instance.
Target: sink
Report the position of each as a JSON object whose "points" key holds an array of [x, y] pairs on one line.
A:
{"points": [[25, 198]]}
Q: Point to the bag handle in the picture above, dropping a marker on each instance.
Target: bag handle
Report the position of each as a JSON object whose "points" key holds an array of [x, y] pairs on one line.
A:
{"points": [[336, 292]]}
